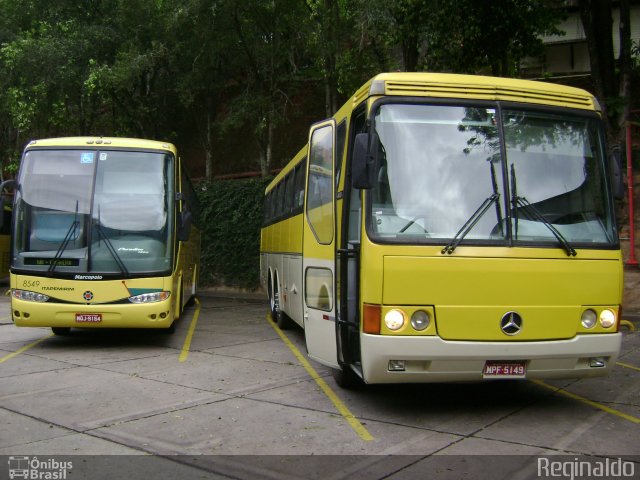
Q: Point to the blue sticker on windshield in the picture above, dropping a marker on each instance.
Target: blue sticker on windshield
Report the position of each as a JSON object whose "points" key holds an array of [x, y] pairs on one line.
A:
{"points": [[87, 157]]}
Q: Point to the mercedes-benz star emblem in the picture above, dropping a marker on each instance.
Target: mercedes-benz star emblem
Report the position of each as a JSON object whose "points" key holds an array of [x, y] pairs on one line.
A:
{"points": [[511, 323], [88, 295]]}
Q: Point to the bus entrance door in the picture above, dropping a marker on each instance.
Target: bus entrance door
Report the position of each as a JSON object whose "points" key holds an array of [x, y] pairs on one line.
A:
{"points": [[319, 247]]}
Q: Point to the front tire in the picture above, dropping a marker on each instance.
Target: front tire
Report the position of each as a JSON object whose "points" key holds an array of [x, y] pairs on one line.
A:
{"points": [[346, 378]]}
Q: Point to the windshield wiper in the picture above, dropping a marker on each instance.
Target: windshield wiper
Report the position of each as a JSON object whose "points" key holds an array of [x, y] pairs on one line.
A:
{"points": [[65, 242], [534, 213], [63, 246], [112, 250], [469, 224]]}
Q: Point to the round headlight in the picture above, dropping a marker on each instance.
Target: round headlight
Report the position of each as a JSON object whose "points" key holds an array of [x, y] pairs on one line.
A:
{"points": [[589, 318], [607, 318], [394, 319], [420, 320]]}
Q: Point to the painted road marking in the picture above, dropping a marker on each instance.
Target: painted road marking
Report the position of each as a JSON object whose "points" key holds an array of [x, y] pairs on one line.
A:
{"points": [[586, 401], [24, 349], [626, 365], [192, 328], [362, 432]]}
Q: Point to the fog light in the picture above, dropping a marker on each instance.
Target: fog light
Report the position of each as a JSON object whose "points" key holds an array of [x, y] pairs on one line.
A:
{"points": [[607, 318], [597, 362], [589, 318], [394, 319], [420, 320], [396, 365]]}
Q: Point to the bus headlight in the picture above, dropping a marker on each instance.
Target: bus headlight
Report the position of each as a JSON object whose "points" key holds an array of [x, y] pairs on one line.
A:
{"points": [[589, 318], [420, 320], [150, 297], [607, 318], [394, 319], [29, 296]]}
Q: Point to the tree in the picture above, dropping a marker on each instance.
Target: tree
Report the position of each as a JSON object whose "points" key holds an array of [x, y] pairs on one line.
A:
{"points": [[468, 36], [611, 76], [268, 54]]}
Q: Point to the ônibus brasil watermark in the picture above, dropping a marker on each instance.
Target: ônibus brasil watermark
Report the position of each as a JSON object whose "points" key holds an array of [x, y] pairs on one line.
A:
{"points": [[584, 469], [32, 468]]}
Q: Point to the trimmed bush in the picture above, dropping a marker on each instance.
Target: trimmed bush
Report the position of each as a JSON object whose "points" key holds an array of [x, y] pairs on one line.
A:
{"points": [[230, 219]]}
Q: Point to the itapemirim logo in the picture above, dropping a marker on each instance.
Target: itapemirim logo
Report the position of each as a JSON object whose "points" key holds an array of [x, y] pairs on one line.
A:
{"points": [[33, 468]]}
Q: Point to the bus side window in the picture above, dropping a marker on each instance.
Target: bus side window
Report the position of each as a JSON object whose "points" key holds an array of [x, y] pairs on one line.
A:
{"points": [[299, 195], [341, 135], [289, 193]]}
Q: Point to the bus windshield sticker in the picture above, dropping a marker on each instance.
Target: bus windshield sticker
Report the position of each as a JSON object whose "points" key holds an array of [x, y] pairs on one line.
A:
{"points": [[103, 156], [87, 157]]}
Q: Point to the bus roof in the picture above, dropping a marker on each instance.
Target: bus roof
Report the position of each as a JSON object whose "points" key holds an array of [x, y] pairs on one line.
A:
{"points": [[478, 87], [116, 142]]}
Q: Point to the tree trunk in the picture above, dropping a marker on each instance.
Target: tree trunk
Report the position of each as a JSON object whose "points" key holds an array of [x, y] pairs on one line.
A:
{"points": [[597, 21], [625, 66], [208, 162]]}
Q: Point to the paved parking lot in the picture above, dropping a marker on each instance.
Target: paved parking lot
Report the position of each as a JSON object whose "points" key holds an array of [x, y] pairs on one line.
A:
{"points": [[229, 396]]}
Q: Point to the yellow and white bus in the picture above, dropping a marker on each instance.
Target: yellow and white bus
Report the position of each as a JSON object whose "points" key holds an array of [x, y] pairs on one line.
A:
{"points": [[102, 235], [446, 227]]}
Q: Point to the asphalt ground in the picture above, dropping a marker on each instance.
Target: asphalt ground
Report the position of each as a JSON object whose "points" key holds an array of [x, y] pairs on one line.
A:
{"points": [[229, 395]]}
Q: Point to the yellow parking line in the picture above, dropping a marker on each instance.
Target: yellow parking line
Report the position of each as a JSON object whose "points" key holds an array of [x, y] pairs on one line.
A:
{"points": [[591, 403], [362, 432], [626, 365], [192, 328], [23, 349]]}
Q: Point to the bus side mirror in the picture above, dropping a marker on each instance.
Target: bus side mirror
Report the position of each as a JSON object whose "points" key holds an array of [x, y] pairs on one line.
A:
{"points": [[184, 225], [617, 181], [364, 160]]}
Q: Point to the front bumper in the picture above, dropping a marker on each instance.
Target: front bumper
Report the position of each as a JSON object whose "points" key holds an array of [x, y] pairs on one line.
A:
{"points": [[125, 315], [431, 359]]}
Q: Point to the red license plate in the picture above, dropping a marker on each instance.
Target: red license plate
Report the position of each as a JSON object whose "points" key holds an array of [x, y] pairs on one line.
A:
{"points": [[88, 317], [493, 368]]}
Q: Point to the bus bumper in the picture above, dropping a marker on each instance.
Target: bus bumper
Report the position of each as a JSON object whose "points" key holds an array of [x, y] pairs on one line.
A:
{"points": [[149, 315], [431, 359]]}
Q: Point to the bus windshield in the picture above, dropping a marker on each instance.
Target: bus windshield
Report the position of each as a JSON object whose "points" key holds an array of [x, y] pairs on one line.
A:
{"points": [[94, 211], [524, 176]]}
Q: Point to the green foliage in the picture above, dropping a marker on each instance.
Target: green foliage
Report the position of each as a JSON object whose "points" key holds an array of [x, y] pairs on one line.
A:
{"points": [[230, 221]]}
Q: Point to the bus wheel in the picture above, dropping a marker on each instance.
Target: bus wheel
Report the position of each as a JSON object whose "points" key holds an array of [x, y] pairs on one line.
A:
{"points": [[284, 322], [346, 378], [61, 330], [274, 302]]}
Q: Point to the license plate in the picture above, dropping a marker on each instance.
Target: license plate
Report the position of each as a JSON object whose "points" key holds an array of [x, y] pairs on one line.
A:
{"points": [[88, 317], [502, 369]]}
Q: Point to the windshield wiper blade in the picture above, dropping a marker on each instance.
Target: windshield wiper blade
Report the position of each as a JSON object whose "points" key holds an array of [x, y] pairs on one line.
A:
{"points": [[522, 202], [65, 242], [63, 246], [535, 213], [112, 251], [469, 224], [110, 247]]}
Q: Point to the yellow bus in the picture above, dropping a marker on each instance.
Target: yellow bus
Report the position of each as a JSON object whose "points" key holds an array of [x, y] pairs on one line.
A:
{"points": [[5, 240], [445, 227], [102, 235]]}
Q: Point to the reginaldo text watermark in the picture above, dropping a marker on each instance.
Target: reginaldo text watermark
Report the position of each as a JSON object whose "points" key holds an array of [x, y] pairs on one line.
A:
{"points": [[583, 469], [32, 468]]}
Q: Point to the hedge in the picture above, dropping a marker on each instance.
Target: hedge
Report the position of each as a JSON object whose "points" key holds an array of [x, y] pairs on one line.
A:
{"points": [[230, 220]]}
